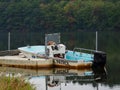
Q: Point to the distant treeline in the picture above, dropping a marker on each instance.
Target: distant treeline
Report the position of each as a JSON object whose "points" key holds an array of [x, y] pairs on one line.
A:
{"points": [[59, 15]]}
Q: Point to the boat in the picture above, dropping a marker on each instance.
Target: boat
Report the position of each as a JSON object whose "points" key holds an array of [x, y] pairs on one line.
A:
{"points": [[63, 57]]}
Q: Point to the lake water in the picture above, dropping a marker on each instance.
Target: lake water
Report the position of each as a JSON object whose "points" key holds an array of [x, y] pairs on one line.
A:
{"points": [[64, 79]]}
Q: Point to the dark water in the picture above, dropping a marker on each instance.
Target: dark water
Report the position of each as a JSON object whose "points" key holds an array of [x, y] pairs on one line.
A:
{"points": [[72, 79]]}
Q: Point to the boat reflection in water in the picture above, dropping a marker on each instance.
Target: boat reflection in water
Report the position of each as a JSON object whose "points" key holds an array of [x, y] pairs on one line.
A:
{"points": [[64, 79]]}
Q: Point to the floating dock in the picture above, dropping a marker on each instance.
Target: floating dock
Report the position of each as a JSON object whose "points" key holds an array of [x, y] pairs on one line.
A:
{"points": [[12, 59], [18, 62]]}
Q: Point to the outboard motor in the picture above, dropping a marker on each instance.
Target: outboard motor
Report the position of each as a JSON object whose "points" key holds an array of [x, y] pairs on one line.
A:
{"points": [[99, 59]]}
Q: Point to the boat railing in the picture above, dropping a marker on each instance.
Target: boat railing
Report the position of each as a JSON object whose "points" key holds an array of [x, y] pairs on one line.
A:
{"points": [[84, 50], [87, 51]]}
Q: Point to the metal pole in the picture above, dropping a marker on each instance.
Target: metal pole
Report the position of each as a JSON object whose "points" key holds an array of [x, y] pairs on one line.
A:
{"points": [[46, 53], [60, 86], [96, 41], [59, 37], [9, 41], [46, 82], [97, 87]]}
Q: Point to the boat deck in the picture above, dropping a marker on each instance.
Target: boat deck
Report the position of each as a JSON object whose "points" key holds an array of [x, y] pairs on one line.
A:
{"points": [[78, 56]]}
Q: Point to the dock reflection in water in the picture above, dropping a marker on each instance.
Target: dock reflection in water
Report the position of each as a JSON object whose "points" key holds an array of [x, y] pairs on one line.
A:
{"points": [[59, 79]]}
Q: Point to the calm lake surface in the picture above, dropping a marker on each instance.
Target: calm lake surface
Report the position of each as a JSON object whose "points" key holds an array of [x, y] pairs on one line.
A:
{"points": [[64, 79]]}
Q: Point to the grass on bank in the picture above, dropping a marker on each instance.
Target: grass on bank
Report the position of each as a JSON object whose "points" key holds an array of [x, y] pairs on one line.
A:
{"points": [[11, 83]]}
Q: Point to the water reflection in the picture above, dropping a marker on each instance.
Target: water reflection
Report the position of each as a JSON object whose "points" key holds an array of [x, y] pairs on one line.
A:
{"points": [[62, 79], [59, 79]]}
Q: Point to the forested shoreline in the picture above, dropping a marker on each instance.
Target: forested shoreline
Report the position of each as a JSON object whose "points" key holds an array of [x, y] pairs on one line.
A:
{"points": [[59, 15]]}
